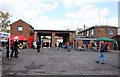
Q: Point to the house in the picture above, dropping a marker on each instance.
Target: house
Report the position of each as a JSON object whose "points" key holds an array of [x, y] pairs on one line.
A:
{"points": [[95, 32], [20, 27], [98, 31]]}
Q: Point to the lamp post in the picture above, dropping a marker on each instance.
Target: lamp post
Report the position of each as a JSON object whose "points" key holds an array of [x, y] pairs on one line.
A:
{"points": [[35, 36], [9, 44]]}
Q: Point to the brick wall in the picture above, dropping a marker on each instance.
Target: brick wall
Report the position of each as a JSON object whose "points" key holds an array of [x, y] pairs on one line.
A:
{"points": [[105, 32], [26, 28]]}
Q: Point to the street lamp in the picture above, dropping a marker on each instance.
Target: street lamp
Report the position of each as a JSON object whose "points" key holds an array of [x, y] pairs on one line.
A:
{"points": [[35, 36], [9, 43]]}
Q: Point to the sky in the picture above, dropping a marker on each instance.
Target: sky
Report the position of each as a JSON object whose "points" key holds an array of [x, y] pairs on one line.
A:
{"points": [[62, 14]]}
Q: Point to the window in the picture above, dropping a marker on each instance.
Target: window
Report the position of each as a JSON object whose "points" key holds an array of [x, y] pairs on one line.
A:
{"points": [[92, 32], [20, 28], [82, 34], [87, 33], [111, 33]]}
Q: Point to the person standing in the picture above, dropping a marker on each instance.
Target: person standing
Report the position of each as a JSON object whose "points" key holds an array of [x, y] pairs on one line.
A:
{"points": [[86, 45], [77, 45], [92, 45], [106, 43], [57, 45], [16, 49], [60, 44], [102, 53], [68, 46], [7, 47], [38, 46], [12, 48]]}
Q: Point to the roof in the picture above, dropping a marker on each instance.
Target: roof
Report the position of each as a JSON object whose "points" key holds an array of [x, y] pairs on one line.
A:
{"points": [[56, 30], [22, 21], [98, 26], [85, 38], [116, 36]]}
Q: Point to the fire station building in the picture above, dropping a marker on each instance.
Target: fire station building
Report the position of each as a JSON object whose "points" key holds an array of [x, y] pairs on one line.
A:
{"points": [[20, 27]]}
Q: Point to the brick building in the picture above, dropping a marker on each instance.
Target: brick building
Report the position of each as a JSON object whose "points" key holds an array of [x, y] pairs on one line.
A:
{"points": [[93, 33], [67, 35], [117, 38], [20, 27], [99, 31]]}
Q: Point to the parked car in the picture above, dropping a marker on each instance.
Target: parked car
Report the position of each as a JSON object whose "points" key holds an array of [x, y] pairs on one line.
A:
{"points": [[34, 45]]}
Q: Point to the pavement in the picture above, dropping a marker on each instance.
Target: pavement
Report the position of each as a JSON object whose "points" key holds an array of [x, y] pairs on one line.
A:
{"points": [[50, 61]]}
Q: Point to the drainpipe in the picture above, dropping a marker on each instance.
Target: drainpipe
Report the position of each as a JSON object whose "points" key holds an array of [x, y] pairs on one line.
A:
{"points": [[117, 44], [106, 32]]}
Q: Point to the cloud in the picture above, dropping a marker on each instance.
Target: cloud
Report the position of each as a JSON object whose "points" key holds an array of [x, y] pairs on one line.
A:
{"points": [[87, 12], [54, 25], [90, 15], [71, 3], [28, 9], [83, 12], [33, 12]]}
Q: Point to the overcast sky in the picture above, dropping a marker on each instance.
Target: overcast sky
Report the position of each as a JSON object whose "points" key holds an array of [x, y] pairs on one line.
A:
{"points": [[62, 14]]}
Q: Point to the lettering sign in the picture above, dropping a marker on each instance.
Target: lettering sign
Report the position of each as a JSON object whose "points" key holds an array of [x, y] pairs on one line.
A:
{"points": [[2, 34], [110, 33]]}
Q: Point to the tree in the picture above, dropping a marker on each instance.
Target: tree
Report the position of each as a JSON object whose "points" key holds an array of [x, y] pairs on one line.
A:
{"points": [[85, 27], [78, 30], [4, 21]]}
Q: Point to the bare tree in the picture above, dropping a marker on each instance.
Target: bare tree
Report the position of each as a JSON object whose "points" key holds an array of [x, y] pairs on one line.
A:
{"points": [[85, 27], [78, 30], [4, 21]]}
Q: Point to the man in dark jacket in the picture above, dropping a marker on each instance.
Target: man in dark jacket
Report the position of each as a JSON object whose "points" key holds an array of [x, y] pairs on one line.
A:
{"points": [[102, 53], [16, 49], [12, 48], [38, 46], [7, 47]]}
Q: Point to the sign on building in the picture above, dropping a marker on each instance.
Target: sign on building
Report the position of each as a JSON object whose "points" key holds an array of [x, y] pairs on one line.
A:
{"points": [[3, 36]]}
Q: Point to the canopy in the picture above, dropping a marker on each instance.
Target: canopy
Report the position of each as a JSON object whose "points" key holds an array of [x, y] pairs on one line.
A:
{"points": [[20, 38], [105, 39], [11, 37]]}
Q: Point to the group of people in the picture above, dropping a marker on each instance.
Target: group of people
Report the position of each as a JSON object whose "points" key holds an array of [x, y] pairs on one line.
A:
{"points": [[14, 49], [98, 45], [67, 45], [81, 46], [102, 47], [13, 45]]}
